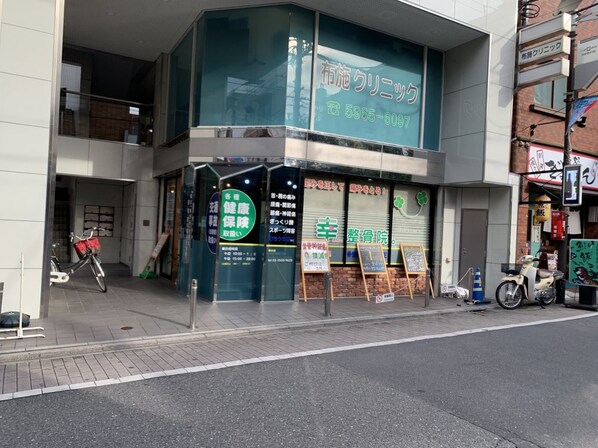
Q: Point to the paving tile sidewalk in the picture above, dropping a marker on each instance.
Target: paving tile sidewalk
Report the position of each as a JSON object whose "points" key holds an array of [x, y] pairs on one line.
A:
{"points": [[99, 368], [140, 329], [135, 309]]}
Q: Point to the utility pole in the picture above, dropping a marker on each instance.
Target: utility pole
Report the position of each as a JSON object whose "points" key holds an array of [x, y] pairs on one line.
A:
{"points": [[570, 97]]}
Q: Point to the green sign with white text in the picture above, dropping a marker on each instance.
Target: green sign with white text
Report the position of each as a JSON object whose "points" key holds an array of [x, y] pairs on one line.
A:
{"points": [[238, 215]]}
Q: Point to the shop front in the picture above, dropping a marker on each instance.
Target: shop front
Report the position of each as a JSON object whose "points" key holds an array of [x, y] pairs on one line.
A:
{"points": [[240, 231], [242, 224], [548, 227]]}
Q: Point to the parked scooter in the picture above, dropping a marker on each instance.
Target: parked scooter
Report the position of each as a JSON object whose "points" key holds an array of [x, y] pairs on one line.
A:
{"points": [[526, 281]]}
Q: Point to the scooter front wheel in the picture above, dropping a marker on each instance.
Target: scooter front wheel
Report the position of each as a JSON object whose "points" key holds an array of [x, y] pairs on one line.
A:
{"points": [[508, 295]]}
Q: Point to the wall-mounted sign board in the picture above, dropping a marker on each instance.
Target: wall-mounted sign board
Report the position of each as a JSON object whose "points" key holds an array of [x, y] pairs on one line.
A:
{"points": [[544, 51], [538, 74], [556, 26]]}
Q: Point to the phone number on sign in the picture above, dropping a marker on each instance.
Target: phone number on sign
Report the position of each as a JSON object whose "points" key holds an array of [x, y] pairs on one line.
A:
{"points": [[370, 115]]}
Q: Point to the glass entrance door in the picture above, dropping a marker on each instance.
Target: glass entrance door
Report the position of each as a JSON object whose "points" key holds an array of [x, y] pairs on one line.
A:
{"points": [[169, 259]]}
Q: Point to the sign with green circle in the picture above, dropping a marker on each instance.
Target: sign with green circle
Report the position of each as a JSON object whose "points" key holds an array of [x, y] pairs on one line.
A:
{"points": [[237, 215]]}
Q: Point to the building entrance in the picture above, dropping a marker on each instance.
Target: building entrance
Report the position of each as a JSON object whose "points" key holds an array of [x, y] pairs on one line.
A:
{"points": [[239, 231]]}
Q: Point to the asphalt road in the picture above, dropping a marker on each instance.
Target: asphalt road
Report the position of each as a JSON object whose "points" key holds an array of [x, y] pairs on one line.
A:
{"points": [[524, 387]]}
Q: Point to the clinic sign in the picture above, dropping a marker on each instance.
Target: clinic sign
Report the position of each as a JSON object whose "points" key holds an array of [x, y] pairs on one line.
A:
{"points": [[543, 51], [238, 215]]}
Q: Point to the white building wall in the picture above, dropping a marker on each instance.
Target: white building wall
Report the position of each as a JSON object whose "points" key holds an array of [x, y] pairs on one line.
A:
{"points": [[87, 158], [476, 133], [29, 47], [97, 192]]}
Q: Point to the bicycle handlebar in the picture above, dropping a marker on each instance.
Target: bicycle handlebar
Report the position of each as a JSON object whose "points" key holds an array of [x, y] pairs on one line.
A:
{"points": [[83, 235]]}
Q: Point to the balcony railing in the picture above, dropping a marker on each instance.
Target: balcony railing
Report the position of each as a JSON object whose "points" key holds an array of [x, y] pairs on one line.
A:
{"points": [[98, 117]]}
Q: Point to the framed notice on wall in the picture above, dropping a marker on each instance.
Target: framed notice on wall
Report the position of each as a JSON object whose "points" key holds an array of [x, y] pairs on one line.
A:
{"points": [[315, 259]]}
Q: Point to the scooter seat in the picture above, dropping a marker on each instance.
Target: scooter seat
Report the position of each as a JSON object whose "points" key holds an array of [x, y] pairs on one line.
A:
{"points": [[544, 273]]}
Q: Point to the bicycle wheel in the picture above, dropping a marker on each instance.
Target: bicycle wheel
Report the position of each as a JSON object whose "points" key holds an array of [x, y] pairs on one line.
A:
{"points": [[98, 273], [53, 268], [508, 295]]}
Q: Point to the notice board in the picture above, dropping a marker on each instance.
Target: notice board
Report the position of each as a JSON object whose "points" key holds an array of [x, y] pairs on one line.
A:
{"points": [[372, 261], [314, 256], [371, 258], [315, 259], [414, 260]]}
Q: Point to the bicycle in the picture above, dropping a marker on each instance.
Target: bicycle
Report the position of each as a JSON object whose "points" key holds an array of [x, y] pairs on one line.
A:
{"points": [[87, 247]]}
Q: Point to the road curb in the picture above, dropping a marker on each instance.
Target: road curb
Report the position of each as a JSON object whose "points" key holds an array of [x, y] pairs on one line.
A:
{"points": [[60, 351]]}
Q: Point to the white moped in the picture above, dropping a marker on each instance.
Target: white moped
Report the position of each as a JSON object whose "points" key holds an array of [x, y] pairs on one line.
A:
{"points": [[526, 281]]}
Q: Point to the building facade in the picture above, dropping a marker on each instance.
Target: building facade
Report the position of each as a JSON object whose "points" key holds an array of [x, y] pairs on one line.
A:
{"points": [[539, 139], [241, 130]]}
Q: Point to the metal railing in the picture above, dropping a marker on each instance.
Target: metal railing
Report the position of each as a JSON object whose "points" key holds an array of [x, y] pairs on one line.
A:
{"points": [[103, 118]]}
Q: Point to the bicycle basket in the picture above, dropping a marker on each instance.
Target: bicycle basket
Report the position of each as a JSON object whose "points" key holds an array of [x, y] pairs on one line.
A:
{"points": [[92, 245]]}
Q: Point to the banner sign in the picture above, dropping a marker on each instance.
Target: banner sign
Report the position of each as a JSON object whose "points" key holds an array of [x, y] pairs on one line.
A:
{"points": [[543, 159], [581, 106]]}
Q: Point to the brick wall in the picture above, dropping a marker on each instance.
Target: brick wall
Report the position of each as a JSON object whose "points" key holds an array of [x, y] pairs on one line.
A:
{"points": [[347, 281], [550, 124]]}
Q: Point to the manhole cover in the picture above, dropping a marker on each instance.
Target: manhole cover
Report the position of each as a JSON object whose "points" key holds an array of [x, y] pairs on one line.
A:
{"points": [[126, 328]]}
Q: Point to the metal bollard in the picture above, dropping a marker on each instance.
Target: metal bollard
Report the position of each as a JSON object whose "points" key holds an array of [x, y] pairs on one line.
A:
{"points": [[427, 289], [327, 301], [193, 304]]}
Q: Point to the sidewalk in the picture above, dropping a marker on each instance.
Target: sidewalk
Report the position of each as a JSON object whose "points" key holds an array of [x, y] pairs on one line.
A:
{"points": [[139, 330], [134, 309]]}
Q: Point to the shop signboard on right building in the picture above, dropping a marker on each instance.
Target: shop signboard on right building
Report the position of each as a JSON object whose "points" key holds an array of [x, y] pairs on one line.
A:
{"points": [[583, 262]]}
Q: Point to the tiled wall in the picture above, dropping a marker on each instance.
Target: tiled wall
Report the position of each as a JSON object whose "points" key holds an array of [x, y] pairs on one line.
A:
{"points": [[502, 223], [27, 72]]}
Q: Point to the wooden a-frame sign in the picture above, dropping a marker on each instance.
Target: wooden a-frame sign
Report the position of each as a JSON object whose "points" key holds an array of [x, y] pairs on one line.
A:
{"points": [[372, 262], [414, 260], [315, 259]]}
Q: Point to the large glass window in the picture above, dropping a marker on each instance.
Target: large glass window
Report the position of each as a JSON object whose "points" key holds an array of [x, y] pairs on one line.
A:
{"points": [[245, 64], [179, 87], [368, 217], [324, 213], [411, 223], [551, 94], [375, 212], [301, 46], [434, 72], [368, 85]]}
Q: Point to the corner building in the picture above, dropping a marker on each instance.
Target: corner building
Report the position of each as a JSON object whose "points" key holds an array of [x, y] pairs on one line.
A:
{"points": [[241, 130]]}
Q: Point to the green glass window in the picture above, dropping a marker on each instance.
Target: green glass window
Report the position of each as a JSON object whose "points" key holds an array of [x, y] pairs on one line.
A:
{"points": [[368, 85], [179, 88], [300, 57], [433, 100], [246, 65]]}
